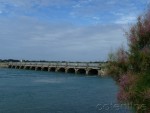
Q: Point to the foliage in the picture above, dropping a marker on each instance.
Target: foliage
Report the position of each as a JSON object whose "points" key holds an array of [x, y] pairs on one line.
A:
{"points": [[131, 69]]}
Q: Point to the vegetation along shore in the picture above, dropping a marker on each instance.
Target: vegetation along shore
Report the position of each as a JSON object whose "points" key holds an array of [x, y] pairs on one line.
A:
{"points": [[131, 68]]}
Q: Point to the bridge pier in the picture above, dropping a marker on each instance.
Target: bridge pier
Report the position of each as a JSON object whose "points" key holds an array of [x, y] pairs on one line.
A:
{"points": [[49, 69], [76, 71], [57, 69], [87, 72], [66, 70]]}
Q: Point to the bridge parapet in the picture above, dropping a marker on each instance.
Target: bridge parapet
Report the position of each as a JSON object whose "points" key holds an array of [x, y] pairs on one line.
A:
{"points": [[73, 64]]}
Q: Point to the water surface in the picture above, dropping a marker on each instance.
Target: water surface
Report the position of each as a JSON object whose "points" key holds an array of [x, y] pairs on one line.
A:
{"points": [[23, 91]]}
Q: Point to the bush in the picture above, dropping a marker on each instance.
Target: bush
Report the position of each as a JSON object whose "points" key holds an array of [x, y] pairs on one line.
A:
{"points": [[131, 68]]}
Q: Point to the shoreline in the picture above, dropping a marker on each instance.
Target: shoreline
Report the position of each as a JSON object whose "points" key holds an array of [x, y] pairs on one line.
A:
{"points": [[3, 65]]}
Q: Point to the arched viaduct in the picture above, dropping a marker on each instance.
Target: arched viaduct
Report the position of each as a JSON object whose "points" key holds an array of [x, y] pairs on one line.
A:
{"points": [[87, 68]]}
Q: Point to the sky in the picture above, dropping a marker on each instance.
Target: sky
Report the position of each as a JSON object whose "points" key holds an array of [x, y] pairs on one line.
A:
{"points": [[65, 30]]}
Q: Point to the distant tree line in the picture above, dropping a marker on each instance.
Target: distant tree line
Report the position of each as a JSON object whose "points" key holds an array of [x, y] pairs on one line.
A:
{"points": [[9, 60]]}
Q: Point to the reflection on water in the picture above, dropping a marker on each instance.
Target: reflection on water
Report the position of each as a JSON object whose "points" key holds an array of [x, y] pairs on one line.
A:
{"points": [[54, 80], [44, 92]]}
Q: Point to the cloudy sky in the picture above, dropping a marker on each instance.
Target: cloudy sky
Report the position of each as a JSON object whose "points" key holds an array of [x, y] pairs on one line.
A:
{"points": [[68, 30]]}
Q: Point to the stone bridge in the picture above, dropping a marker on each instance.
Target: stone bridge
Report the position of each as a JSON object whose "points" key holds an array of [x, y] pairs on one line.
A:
{"points": [[87, 68]]}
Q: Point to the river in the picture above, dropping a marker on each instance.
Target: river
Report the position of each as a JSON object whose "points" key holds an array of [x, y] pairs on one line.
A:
{"points": [[25, 91]]}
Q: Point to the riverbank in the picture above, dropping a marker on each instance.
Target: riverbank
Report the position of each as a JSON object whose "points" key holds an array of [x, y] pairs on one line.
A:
{"points": [[3, 65]]}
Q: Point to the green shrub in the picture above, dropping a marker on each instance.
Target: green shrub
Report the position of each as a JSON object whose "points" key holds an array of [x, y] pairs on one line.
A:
{"points": [[131, 68]]}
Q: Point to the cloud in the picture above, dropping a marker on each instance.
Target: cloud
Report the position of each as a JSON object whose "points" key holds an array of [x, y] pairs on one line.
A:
{"points": [[72, 30], [126, 19], [26, 38], [104, 8], [83, 9]]}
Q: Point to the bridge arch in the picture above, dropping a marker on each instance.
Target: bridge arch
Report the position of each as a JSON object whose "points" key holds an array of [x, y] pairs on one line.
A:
{"points": [[71, 70], [38, 68], [61, 69], [93, 72], [32, 67], [9, 66], [27, 67], [81, 71], [13, 66], [17, 67], [21, 67], [53, 69], [45, 69]]}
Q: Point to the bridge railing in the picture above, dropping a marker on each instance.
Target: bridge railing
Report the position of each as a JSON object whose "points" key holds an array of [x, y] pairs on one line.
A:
{"points": [[94, 65], [82, 64], [53, 64], [64, 64]]}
